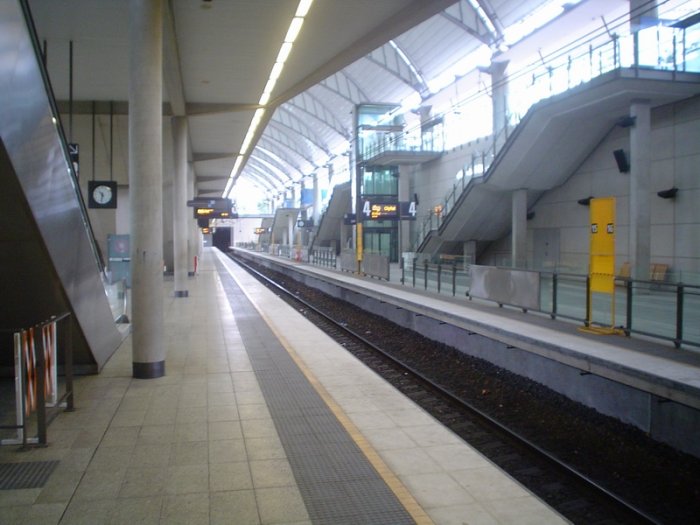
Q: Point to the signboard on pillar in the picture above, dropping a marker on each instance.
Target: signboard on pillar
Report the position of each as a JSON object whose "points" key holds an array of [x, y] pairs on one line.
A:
{"points": [[602, 256]]}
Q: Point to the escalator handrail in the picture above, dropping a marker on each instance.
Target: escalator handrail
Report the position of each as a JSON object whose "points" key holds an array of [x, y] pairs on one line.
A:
{"points": [[99, 257]]}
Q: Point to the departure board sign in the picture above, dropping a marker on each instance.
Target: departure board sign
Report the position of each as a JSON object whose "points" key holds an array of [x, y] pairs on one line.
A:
{"points": [[388, 211], [212, 208], [214, 213], [380, 211]]}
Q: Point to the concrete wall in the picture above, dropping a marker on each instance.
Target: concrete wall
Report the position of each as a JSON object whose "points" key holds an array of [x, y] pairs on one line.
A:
{"points": [[105, 222], [675, 222], [433, 181], [243, 229]]}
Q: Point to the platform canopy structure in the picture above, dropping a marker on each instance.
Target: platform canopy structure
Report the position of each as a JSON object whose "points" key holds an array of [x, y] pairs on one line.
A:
{"points": [[268, 115]]}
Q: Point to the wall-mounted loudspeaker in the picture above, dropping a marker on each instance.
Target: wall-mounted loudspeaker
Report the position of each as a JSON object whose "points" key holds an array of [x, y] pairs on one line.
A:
{"points": [[622, 163], [668, 194]]}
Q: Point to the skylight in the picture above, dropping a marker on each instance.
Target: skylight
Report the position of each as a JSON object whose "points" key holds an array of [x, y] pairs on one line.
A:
{"points": [[536, 19]]}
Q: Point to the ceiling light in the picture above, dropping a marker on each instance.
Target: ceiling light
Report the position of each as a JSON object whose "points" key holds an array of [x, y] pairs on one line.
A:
{"points": [[294, 29], [285, 50], [270, 85], [276, 70], [264, 98], [303, 9]]}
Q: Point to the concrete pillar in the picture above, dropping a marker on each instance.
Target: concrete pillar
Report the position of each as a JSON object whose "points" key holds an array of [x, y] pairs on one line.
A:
{"points": [[317, 199], [180, 233], [290, 230], [499, 86], [192, 228], [640, 190], [519, 229], [168, 171], [146, 186], [293, 196]]}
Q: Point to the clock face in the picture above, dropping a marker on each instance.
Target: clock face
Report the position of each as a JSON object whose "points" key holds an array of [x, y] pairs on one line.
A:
{"points": [[102, 194]]}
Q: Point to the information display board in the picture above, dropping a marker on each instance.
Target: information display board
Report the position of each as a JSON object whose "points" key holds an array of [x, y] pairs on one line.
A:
{"points": [[602, 256]]}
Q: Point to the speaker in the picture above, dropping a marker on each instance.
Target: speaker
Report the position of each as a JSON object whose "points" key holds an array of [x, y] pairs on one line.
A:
{"points": [[668, 194], [622, 163]]}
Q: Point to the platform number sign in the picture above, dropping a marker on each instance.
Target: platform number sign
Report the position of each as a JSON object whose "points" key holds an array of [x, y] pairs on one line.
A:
{"points": [[408, 211]]}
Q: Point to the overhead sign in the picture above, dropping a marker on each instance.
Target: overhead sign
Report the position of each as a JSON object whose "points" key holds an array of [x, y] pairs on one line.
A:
{"points": [[380, 211], [260, 231], [407, 210], [214, 213], [392, 210], [209, 202]]}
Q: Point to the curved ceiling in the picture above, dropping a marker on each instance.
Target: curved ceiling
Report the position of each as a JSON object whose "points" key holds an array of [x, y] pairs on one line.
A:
{"points": [[218, 55]]}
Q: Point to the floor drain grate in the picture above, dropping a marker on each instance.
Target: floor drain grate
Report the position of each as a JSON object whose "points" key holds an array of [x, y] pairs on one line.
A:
{"points": [[28, 475]]}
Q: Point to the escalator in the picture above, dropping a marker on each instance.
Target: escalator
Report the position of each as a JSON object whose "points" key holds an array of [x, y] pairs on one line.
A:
{"points": [[49, 260]]}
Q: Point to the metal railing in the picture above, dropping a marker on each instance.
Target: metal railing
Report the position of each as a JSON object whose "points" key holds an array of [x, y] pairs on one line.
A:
{"points": [[323, 256], [669, 50], [663, 310], [36, 351]]}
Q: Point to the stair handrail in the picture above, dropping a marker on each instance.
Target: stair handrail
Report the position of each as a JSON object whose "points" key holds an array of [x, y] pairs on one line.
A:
{"points": [[612, 54]]}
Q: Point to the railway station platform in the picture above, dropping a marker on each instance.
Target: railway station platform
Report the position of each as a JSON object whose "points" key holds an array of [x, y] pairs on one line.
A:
{"points": [[647, 383], [260, 419]]}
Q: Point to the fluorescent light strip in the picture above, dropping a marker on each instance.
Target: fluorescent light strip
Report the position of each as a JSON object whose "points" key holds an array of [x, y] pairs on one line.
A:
{"points": [[276, 71], [303, 8]]}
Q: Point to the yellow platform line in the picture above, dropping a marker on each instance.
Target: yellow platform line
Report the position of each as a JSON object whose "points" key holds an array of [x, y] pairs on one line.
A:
{"points": [[392, 481]]}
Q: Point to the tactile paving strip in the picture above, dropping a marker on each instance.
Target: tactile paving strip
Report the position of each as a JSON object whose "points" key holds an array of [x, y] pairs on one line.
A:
{"points": [[27, 475], [336, 480]]}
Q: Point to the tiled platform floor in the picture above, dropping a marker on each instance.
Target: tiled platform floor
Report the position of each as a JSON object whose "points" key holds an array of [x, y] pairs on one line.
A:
{"points": [[199, 445]]}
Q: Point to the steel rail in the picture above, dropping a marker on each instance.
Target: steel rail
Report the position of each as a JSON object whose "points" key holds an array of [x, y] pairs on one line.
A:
{"points": [[488, 420]]}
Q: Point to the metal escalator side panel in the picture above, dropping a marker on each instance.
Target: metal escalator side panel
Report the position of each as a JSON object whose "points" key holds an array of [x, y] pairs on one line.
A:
{"points": [[32, 138]]}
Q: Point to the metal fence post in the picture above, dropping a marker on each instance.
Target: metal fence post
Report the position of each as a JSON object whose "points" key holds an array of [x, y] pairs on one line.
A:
{"points": [[588, 320], [679, 316], [555, 282], [40, 385], [628, 321], [415, 260], [425, 274]]}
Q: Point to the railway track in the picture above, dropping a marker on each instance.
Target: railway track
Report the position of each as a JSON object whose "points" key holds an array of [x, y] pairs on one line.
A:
{"points": [[573, 494]]}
